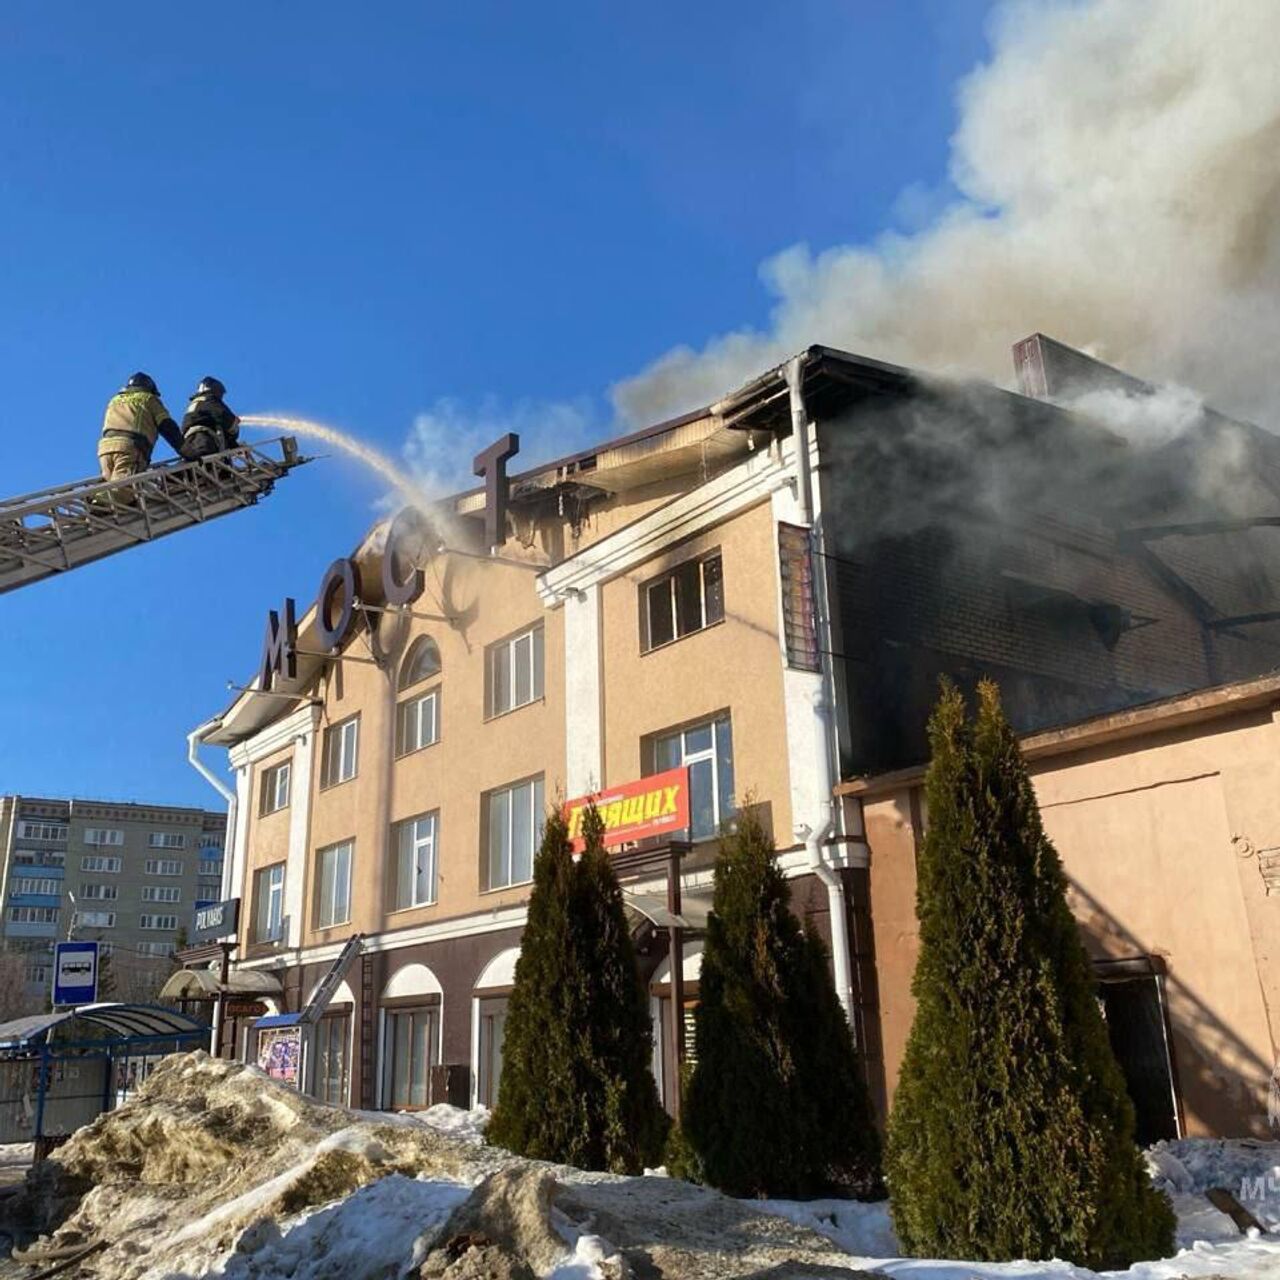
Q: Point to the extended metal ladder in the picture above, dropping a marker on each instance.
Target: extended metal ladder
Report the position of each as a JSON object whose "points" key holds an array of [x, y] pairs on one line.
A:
{"points": [[50, 532], [329, 984]]}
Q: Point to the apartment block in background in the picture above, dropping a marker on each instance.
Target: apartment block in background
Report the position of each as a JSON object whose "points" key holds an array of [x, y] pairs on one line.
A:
{"points": [[127, 875]]}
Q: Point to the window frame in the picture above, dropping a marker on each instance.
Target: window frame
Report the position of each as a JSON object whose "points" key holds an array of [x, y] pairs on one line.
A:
{"points": [[263, 879], [161, 866], [88, 859], [99, 893], [538, 816], [407, 679], [505, 648], [166, 840], [158, 923], [114, 837], [398, 853], [431, 695], [269, 800], [650, 754], [336, 922], [332, 758], [707, 602], [416, 1010]]}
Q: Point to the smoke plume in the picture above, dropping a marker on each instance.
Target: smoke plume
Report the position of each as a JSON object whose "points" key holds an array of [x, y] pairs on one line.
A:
{"points": [[1118, 189]]}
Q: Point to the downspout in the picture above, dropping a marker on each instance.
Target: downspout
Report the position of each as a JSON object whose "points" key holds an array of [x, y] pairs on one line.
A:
{"points": [[824, 709], [194, 740]]}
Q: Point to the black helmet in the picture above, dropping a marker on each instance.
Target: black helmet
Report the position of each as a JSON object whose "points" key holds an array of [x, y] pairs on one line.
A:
{"points": [[142, 382], [211, 386]]}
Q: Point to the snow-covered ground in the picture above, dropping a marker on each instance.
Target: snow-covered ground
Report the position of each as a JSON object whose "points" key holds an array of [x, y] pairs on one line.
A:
{"points": [[1209, 1243], [216, 1171]]}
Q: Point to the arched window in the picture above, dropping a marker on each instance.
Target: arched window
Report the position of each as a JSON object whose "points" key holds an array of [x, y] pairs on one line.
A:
{"points": [[420, 663]]}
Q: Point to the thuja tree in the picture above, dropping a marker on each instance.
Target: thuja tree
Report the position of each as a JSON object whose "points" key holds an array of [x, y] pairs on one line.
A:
{"points": [[576, 1085], [1012, 1133], [775, 1105]]}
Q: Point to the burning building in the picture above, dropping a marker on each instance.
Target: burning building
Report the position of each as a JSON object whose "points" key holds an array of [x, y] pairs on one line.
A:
{"points": [[756, 599]]}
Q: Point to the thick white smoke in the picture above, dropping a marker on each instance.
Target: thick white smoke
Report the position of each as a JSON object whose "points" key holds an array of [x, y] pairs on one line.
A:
{"points": [[1119, 168]]}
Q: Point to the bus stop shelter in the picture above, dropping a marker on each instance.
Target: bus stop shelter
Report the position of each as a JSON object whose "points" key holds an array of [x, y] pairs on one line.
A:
{"points": [[59, 1071]]}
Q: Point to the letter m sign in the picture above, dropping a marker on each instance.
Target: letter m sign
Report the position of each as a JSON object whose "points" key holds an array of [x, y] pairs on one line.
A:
{"points": [[280, 648]]}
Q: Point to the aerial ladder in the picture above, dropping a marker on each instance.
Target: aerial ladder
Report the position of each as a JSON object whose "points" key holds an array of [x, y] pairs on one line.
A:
{"points": [[56, 530]]}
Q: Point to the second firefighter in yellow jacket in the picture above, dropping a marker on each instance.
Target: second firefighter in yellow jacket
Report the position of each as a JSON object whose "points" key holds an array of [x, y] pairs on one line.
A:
{"points": [[135, 417]]}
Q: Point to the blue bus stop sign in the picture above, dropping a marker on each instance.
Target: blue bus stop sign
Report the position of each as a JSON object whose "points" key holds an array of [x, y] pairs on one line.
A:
{"points": [[75, 973]]}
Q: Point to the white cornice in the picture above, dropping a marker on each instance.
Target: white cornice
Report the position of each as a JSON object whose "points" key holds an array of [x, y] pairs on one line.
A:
{"points": [[727, 494], [275, 736]]}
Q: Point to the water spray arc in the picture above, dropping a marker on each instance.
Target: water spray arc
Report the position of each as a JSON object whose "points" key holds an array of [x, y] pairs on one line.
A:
{"points": [[407, 489]]}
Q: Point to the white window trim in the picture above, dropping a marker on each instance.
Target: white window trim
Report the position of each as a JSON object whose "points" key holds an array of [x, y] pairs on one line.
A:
{"points": [[337, 920], [414, 707], [506, 651], [337, 733], [432, 843], [537, 821]]}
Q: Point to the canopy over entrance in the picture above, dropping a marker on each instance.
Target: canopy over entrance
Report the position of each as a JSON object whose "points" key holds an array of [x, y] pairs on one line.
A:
{"points": [[693, 912], [196, 984]]}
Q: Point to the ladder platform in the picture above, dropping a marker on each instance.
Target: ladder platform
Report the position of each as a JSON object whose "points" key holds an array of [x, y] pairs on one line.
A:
{"points": [[55, 530]]}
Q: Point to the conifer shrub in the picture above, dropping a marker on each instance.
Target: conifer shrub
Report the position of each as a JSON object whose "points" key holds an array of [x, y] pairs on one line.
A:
{"points": [[1011, 1134], [776, 1105], [576, 1085]]}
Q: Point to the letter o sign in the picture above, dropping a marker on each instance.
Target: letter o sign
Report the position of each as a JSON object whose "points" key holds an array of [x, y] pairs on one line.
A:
{"points": [[339, 588]]}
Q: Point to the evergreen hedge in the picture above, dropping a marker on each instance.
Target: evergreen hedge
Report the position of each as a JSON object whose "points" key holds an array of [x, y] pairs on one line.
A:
{"points": [[776, 1105], [576, 1084], [1011, 1134]]}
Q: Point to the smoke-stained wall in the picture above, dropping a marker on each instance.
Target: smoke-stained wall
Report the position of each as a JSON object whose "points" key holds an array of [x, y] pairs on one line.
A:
{"points": [[971, 534]]}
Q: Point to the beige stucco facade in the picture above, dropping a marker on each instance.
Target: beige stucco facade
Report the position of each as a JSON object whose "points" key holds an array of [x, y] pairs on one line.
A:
{"points": [[1166, 821]]}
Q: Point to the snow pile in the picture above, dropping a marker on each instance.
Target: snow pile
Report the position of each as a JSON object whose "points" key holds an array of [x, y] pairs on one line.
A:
{"points": [[214, 1170]]}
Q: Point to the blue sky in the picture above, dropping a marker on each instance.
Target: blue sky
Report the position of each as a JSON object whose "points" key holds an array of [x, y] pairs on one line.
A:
{"points": [[485, 214]]}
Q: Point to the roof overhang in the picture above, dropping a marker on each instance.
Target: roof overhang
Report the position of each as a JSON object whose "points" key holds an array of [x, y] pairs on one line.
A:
{"points": [[1148, 717], [124, 1022], [189, 984]]}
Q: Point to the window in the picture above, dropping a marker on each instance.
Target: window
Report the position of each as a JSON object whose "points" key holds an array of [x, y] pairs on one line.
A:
{"points": [[268, 903], [103, 837], [707, 751], [340, 745], [97, 919], [167, 840], [275, 788], [420, 663], [30, 884], [333, 885], [42, 831], [208, 889], [408, 1050], [418, 723], [514, 671], [211, 842], [33, 915], [687, 599], [164, 866], [799, 624], [99, 892], [100, 864], [493, 1027], [157, 948], [514, 830], [161, 893], [415, 845], [211, 868], [38, 974], [333, 1033], [158, 922]]}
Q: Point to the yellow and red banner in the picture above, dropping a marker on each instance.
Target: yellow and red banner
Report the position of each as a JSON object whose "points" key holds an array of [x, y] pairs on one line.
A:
{"points": [[654, 806]]}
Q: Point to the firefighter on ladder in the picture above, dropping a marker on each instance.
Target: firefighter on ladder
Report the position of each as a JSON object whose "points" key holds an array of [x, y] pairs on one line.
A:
{"points": [[135, 417], [208, 426]]}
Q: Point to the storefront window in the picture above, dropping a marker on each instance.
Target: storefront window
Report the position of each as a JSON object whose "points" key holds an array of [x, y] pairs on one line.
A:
{"points": [[493, 1025], [333, 1035], [407, 1054]]}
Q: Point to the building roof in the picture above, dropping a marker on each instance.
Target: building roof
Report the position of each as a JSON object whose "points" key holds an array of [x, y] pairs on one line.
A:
{"points": [[1114, 726]]}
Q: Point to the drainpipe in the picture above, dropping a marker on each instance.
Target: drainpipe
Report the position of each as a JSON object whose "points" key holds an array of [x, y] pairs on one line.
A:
{"points": [[194, 740], [824, 709]]}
